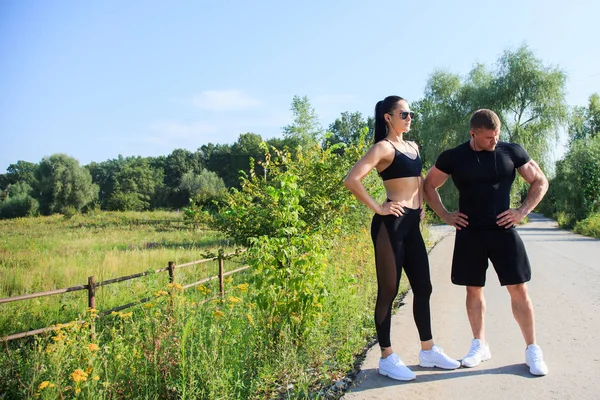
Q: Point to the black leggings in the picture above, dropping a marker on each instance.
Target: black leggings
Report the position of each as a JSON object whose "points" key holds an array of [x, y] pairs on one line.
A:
{"points": [[398, 243]]}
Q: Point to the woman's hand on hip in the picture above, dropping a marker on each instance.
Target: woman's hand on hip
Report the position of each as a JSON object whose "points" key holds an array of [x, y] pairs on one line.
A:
{"points": [[392, 208]]}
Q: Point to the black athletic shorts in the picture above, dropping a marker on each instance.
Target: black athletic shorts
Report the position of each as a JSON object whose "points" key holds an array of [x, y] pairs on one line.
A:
{"points": [[473, 248]]}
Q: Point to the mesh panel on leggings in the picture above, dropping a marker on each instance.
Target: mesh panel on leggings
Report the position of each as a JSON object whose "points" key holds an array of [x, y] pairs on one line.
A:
{"points": [[388, 278]]}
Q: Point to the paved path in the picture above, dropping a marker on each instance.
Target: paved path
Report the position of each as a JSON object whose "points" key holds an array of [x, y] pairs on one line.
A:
{"points": [[565, 290]]}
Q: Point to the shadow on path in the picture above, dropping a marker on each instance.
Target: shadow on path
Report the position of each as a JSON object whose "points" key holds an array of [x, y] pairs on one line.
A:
{"points": [[370, 379]]}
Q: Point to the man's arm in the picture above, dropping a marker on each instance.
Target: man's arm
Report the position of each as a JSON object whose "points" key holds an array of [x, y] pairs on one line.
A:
{"points": [[434, 179], [532, 173]]}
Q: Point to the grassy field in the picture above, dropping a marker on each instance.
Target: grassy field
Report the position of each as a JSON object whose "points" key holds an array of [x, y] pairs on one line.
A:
{"points": [[46, 253]]}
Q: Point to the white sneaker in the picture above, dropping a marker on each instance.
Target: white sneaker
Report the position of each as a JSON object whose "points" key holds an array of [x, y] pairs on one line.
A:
{"points": [[436, 358], [535, 360], [393, 367], [479, 352]]}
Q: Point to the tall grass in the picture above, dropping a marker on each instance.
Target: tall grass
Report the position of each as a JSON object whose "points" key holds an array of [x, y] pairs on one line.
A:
{"points": [[46, 253]]}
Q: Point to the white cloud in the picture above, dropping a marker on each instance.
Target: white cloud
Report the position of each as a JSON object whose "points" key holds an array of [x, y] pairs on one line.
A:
{"points": [[224, 100]]}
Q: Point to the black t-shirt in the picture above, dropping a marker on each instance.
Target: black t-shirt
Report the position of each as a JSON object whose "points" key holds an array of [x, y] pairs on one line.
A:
{"points": [[483, 179]]}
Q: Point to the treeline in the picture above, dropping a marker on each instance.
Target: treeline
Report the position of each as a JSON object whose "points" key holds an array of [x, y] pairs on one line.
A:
{"points": [[58, 184]]}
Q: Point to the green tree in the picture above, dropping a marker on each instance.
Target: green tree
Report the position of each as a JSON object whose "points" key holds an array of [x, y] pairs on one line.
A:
{"points": [[135, 182], [103, 175], [177, 164], [348, 129], [247, 153], [22, 171], [575, 190], [584, 123], [530, 99], [306, 127], [218, 158], [20, 189], [441, 120], [204, 187], [18, 201], [228, 160], [61, 183]]}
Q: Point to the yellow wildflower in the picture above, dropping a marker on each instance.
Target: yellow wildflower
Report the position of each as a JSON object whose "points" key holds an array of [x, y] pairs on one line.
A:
{"points": [[93, 347], [71, 324], [148, 305], [234, 300], [243, 287], [175, 286], [95, 378], [203, 289], [79, 376], [60, 337], [161, 293], [126, 315], [77, 390], [250, 319], [44, 385], [218, 314]]}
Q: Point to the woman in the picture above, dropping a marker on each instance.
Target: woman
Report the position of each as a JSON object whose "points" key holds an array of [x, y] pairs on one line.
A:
{"points": [[396, 235]]}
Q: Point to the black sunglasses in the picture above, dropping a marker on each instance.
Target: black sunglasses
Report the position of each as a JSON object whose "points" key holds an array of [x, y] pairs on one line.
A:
{"points": [[405, 114]]}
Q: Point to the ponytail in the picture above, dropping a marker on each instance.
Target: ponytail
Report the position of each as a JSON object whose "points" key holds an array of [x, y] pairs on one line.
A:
{"points": [[383, 107]]}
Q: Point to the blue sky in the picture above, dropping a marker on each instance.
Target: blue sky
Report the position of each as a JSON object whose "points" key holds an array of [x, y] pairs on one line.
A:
{"points": [[95, 79]]}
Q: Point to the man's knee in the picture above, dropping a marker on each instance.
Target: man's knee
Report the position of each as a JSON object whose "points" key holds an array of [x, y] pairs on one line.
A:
{"points": [[518, 292], [474, 292]]}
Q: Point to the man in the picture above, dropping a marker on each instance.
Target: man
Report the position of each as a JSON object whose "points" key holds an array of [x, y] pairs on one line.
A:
{"points": [[483, 170]]}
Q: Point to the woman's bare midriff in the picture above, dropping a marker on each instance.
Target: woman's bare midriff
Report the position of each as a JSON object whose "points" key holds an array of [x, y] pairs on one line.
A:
{"points": [[404, 190]]}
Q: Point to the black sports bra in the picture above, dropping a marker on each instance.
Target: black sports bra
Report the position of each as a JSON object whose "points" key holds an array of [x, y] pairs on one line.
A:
{"points": [[402, 166]]}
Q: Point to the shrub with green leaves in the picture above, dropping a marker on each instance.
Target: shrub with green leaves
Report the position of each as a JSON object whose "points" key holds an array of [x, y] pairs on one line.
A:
{"points": [[22, 205], [324, 204], [575, 191]]}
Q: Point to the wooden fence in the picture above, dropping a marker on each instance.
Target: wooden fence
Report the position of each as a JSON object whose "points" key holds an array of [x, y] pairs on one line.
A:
{"points": [[92, 285]]}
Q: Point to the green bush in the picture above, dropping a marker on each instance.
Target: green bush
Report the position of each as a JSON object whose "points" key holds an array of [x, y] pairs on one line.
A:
{"points": [[324, 204], [128, 201], [589, 226], [576, 188], [69, 212], [18, 206]]}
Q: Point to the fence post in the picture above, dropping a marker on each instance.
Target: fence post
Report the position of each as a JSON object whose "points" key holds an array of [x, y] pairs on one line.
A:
{"points": [[91, 292], [221, 285], [171, 272], [92, 304]]}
